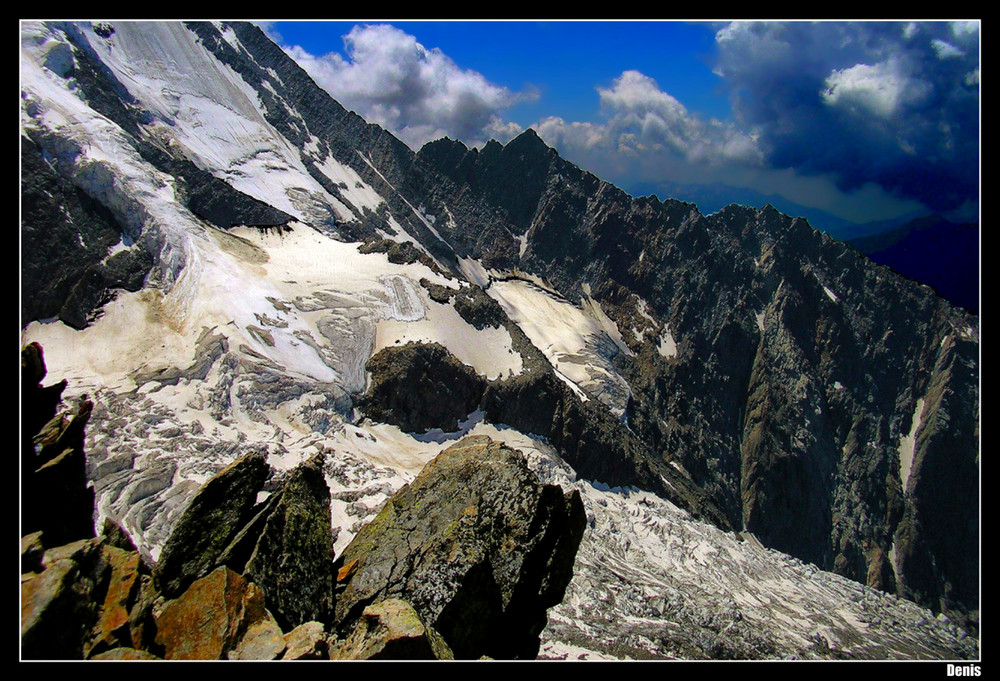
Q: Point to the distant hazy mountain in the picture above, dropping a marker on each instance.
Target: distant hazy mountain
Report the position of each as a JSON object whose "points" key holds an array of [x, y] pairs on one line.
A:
{"points": [[711, 198], [933, 251]]}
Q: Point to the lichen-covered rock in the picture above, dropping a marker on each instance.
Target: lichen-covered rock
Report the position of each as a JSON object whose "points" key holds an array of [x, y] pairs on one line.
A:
{"points": [[476, 545], [392, 630], [209, 523], [293, 558]]}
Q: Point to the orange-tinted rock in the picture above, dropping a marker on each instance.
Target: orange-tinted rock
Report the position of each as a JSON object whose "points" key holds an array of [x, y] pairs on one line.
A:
{"points": [[210, 618], [112, 628]]}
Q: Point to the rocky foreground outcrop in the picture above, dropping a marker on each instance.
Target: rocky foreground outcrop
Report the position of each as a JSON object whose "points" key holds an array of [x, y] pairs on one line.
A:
{"points": [[55, 498], [475, 545], [462, 563]]}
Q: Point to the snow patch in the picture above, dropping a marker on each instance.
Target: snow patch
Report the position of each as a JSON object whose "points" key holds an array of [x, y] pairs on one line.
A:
{"points": [[352, 187], [907, 444], [573, 340], [474, 272], [667, 347], [207, 108], [594, 310], [489, 351]]}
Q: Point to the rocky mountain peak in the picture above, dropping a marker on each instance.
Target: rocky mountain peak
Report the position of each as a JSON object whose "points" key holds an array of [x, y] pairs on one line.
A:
{"points": [[737, 371]]}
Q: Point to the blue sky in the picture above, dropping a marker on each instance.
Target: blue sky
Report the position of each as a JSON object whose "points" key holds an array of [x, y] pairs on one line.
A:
{"points": [[845, 121]]}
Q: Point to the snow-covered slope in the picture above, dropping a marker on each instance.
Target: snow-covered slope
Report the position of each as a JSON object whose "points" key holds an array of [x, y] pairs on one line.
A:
{"points": [[292, 302], [253, 338]]}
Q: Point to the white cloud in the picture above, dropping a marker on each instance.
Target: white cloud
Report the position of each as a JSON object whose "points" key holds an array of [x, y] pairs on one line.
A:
{"points": [[945, 50], [642, 117], [419, 94], [964, 28], [880, 89], [790, 83]]}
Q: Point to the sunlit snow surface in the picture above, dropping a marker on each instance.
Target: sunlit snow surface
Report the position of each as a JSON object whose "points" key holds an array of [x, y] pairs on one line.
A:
{"points": [[255, 341], [204, 107], [579, 341]]}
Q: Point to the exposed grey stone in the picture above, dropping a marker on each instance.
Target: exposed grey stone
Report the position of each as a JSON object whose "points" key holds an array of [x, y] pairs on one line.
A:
{"points": [[209, 523], [476, 545], [293, 557]]}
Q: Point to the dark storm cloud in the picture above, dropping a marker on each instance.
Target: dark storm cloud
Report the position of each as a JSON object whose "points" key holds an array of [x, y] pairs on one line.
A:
{"points": [[890, 103]]}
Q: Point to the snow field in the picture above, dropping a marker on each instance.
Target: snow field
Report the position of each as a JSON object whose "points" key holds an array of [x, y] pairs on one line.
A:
{"points": [[574, 340]]}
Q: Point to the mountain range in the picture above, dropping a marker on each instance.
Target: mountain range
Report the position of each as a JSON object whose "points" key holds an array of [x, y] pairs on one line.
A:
{"points": [[774, 437]]}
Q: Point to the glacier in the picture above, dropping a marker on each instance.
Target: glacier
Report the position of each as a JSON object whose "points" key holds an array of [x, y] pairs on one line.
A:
{"points": [[253, 338]]}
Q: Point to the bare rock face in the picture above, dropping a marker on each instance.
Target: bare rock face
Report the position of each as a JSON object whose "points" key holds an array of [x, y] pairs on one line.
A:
{"points": [[209, 524], [60, 605], [38, 402], [55, 497], [113, 625], [293, 558], [476, 545], [420, 386]]}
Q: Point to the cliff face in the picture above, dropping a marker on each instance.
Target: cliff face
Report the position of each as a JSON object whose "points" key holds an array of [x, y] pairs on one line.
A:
{"points": [[747, 368], [787, 374]]}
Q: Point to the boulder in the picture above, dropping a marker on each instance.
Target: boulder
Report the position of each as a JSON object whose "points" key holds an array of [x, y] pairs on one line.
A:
{"points": [[475, 545], [211, 618], [141, 620], [392, 630], [112, 629], [263, 641], [60, 604], [308, 641]]}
